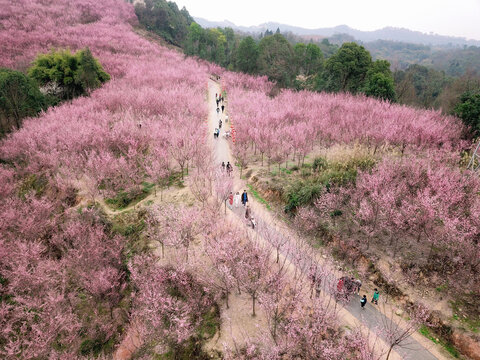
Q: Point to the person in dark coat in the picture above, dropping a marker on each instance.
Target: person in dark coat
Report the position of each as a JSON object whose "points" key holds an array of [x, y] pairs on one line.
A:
{"points": [[363, 301], [244, 197]]}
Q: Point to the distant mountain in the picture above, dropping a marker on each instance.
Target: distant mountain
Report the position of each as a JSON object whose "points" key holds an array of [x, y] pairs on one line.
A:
{"points": [[387, 33]]}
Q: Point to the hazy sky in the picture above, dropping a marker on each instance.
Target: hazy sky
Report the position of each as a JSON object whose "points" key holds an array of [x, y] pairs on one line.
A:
{"points": [[444, 17]]}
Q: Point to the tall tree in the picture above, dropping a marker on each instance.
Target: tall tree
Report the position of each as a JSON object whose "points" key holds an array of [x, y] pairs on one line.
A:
{"points": [[379, 82], [247, 56], [276, 59], [468, 109], [309, 58], [347, 69], [19, 98]]}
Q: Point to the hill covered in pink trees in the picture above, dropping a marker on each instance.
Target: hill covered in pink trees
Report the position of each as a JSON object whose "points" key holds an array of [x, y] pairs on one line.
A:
{"points": [[63, 270], [71, 283]]}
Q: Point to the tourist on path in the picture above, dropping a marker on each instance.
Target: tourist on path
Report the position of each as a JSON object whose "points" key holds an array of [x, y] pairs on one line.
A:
{"points": [[375, 297], [223, 166], [229, 168], [244, 198], [223, 108], [358, 285], [363, 301], [230, 200], [236, 199], [247, 212]]}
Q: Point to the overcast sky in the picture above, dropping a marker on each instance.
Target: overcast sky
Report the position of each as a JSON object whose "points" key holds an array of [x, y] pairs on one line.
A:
{"points": [[444, 17]]}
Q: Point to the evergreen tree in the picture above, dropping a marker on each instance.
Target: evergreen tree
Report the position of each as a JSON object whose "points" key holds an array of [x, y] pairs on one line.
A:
{"points": [[19, 98], [247, 55]]}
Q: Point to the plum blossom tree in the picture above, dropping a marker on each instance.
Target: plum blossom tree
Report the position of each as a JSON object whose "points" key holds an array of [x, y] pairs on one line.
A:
{"points": [[253, 268], [169, 303], [179, 226]]}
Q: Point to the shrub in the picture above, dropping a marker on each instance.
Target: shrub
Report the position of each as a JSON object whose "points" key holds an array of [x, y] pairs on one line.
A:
{"points": [[319, 164], [302, 193], [73, 74]]}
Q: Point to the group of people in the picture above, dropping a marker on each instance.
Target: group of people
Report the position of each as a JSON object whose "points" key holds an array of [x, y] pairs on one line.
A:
{"points": [[218, 99], [234, 202], [227, 167]]}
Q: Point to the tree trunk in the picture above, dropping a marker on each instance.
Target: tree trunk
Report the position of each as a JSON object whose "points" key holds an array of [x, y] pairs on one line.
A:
{"points": [[389, 351], [253, 304]]}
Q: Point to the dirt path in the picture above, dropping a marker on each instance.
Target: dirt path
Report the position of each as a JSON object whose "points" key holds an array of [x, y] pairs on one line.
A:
{"points": [[371, 317]]}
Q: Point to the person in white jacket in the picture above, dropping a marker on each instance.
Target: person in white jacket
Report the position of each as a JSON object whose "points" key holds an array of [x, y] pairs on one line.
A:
{"points": [[236, 199]]}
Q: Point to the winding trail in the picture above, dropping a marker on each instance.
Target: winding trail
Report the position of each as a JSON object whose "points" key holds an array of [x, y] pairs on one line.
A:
{"points": [[416, 346]]}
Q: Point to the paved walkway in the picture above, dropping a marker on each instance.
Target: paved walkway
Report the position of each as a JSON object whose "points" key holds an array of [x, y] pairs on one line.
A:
{"points": [[370, 316]]}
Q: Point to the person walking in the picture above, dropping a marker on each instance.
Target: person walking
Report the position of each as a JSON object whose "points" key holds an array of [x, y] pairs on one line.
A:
{"points": [[363, 301], [247, 213], [236, 199], [223, 166], [220, 123], [358, 285], [230, 201], [229, 168], [244, 198], [375, 297], [223, 108], [218, 110], [312, 276]]}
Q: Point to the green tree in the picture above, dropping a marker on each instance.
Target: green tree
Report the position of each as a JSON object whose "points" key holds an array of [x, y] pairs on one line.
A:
{"points": [[216, 42], [90, 74], [380, 86], [276, 59], [347, 69], [379, 82], [419, 85], [247, 56], [309, 58], [74, 74], [164, 18], [19, 98], [196, 41], [468, 109]]}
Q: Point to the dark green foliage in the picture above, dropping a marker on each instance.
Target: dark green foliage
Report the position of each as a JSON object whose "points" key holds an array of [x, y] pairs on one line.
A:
{"points": [[419, 85], [69, 74], [302, 193], [305, 191], [276, 59], [165, 19], [247, 56], [19, 98], [319, 164], [380, 86], [347, 69], [210, 44], [125, 198], [308, 59], [97, 345], [468, 109]]}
